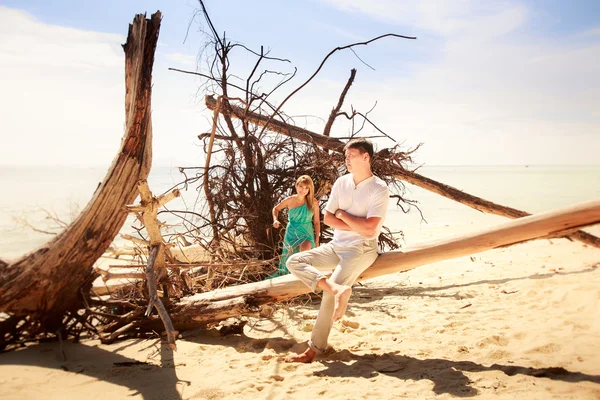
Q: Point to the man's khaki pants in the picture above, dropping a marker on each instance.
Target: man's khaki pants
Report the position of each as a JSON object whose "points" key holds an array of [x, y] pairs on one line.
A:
{"points": [[347, 263]]}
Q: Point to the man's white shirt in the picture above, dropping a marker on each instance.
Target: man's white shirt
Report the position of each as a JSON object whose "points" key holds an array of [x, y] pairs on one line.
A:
{"points": [[367, 199]]}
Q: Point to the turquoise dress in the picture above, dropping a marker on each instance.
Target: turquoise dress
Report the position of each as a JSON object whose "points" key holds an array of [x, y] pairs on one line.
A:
{"points": [[300, 228]]}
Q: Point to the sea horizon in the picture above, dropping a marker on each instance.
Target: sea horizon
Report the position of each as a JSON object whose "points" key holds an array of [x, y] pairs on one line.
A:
{"points": [[187, 164], [64, 191]]}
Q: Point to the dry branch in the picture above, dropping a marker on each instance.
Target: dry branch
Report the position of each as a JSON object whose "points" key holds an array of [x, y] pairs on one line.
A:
{"points": [[339, 48], [107, 276], [336, 109], [148, 208], [155, 302], [207, 192]]}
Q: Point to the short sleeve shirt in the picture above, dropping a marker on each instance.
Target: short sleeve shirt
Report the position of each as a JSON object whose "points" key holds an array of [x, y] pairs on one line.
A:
{"points": [[367, 199]]}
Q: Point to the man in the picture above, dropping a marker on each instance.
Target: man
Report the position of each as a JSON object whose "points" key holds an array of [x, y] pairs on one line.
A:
{"points": [[356, 209]]}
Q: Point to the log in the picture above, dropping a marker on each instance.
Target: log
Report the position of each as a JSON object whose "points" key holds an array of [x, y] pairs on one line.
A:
{"points": [[209, 307], [46, 282], [408, 176]]}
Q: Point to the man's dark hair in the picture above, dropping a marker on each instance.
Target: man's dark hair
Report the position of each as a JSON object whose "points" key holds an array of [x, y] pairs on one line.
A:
{"points": [[363, 146]]}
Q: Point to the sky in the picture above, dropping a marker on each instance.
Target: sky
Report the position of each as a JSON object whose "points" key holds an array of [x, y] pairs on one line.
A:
{"points": [[485, 83]]}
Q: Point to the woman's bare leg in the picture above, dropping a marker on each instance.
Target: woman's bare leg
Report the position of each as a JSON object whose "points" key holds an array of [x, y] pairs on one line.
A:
{"points": [[306, 245]]}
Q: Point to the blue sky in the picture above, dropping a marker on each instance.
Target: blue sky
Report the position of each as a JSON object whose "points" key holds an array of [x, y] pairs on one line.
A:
{"points": [[486, 82]]}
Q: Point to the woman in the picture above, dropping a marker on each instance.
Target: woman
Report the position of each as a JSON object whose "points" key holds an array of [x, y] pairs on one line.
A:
{"points": [[304, 226]]}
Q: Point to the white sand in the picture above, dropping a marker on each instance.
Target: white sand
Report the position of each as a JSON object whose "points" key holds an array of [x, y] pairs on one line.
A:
{"points": [[515, 323]]}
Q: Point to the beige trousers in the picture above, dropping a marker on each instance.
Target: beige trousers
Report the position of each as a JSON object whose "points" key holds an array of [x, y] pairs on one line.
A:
{"points": [[347, 263]]}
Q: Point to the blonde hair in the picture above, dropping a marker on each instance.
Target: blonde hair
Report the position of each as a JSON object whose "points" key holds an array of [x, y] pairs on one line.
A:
{"points": [[307, 181]]}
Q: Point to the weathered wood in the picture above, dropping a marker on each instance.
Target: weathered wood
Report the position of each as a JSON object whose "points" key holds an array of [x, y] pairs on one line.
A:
{"points": [[107, 276], [205, 182], [47, 281], [280, 127], [148, 208], [200, 314], [408, 176], [154, 300], [233, 301]]}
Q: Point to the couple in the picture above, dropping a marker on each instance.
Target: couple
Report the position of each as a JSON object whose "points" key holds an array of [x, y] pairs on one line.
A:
{"points": [[356, 209]]}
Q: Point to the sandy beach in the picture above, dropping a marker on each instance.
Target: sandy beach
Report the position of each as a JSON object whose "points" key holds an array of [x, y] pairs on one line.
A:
{"points": [[517, 322], [478, 112]]}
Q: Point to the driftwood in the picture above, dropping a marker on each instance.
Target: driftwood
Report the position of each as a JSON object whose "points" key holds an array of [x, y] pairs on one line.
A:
{"points": [[148, 210], [47, 282], [154, 300], [414, 178], [209, 307]]}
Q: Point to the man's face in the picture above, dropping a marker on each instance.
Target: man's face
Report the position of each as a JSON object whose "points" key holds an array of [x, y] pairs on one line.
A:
{"points": [[355, 160]]}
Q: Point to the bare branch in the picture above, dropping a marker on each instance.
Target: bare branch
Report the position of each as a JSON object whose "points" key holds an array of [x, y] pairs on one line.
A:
{"points": [[325, 60], [336, 110]]}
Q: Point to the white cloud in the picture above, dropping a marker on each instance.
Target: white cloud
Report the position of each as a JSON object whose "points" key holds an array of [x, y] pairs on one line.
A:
{"points": [[33, 43], [591, 32], [336, 30], [509, 106], [182, 59], [60, 90], [489, 98], [531, 103], [486, 98], [62, 97], [464, 17]]}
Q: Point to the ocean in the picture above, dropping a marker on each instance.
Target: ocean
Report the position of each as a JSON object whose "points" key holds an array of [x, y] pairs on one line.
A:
{"points": [[31, 194]]}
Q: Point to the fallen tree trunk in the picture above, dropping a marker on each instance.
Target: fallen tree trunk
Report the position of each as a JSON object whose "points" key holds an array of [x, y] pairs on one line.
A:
{"points": [[201, 309], [47, 282], [408, 176]]}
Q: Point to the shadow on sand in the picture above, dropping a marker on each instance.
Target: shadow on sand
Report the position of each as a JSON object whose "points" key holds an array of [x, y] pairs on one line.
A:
{"points": [[148, 379], [142, 377], [446, 375]]}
